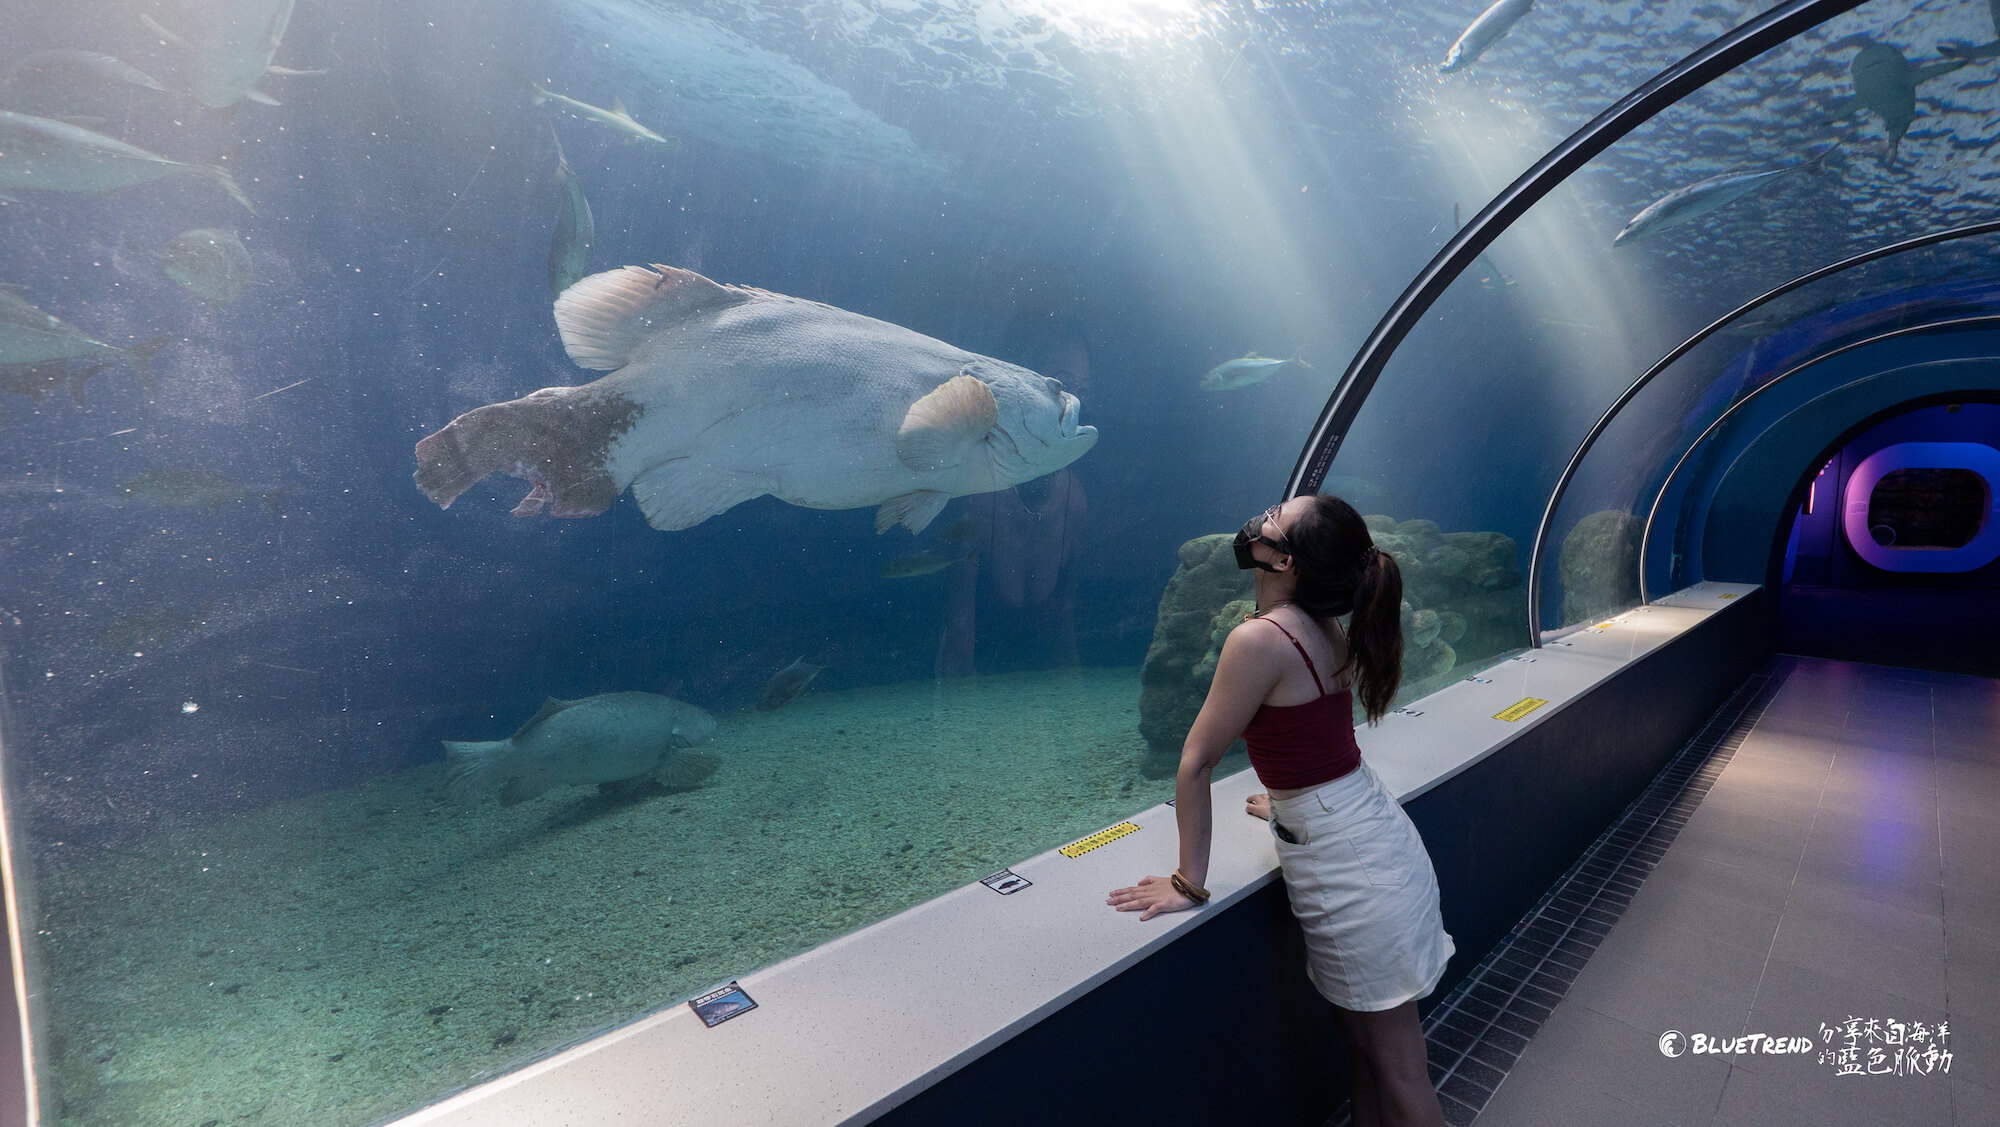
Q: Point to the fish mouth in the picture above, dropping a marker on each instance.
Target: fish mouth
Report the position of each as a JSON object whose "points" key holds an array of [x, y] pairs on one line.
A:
{"points": [[1072, 416]]}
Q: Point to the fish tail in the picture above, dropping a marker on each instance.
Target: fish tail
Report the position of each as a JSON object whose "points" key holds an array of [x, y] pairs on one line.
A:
{"points": [[472, 769], [537, 95], [141, 357], [228, 182], [1816, 164]]}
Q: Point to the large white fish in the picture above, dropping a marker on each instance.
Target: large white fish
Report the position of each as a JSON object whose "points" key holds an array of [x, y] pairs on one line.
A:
{"points": [[55, 156], [723, 393], [1703, 196], [1484, 32], [230, 45], [616, 117], [607, 738], [1246, 370]]}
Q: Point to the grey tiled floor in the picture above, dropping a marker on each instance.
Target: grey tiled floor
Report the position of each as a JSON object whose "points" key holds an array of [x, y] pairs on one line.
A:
{"points": [[1845, 863]]}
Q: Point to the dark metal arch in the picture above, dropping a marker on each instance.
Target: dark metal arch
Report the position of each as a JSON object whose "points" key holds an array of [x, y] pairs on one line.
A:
{"points": [[1628, 113], [1653, 511], [1590, 440]]}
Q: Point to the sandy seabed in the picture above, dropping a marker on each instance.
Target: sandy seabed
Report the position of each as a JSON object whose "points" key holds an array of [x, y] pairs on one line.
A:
{"points": [[350, 957]]}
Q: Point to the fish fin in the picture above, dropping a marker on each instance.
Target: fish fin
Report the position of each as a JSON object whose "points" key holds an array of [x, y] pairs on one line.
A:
{"points": [[679, 494], [517, 790], [914, 510], [471, 767], [555, 437], [169, 37], [81, 376], [221, 176], [618, 107], [261, 98], [686, 769], [292, 72], [537, 93], [550, 706], [1969, 51], [1928, 71], [605, 317], [1816, 164], [943, 427]]}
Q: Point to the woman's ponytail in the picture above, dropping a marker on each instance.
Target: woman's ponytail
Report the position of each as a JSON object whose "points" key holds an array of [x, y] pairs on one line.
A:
{"points": [[1341, 571], [1375, 633]]}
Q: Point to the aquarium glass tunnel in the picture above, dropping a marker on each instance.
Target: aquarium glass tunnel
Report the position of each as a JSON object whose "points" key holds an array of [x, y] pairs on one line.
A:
{"points": [[516, 513]]}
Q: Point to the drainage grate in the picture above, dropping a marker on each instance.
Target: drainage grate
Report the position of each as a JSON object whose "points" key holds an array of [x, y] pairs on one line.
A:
{"points": [[1475, 1034]]}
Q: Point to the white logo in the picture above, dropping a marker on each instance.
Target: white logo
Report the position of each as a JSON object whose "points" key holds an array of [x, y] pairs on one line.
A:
{"points": [[1672, 1043]]}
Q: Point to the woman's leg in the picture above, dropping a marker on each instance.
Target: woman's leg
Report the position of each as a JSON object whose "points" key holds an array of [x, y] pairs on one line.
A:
{"points": [[1388, 1046]]}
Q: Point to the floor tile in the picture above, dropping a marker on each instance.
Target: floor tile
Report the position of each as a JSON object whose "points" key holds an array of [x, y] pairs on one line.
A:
{"points": [[1777, 857]]}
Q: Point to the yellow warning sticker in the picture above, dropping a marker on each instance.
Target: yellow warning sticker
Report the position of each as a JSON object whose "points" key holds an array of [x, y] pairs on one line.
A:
{"points": [[1730, 595], [1606, 624], [1102, 837], [1515, 711]]}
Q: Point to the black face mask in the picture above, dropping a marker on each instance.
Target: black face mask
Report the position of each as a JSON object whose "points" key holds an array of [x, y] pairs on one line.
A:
{"points": [[1253, 532]]}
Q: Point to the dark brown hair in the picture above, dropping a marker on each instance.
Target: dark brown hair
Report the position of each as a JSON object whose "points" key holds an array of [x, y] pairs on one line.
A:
{"points": [[1342, 572]]}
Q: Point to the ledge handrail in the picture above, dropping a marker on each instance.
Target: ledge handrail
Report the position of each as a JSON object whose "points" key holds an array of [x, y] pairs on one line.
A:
{"points": [[1589, 440]]}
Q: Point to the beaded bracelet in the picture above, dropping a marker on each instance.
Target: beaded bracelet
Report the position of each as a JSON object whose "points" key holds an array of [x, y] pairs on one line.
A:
{"points": [[1187, 888]]}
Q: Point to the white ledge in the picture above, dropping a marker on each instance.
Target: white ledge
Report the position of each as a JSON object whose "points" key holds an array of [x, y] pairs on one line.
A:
{"points": [[857, 1026]]}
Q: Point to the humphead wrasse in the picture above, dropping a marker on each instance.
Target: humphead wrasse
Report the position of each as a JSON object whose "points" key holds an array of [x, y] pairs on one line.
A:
{"points": [[719, 394], [605, 739]]}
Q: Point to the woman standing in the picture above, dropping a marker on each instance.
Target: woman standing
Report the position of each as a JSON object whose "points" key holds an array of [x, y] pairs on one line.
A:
{"points": [[1355, 869]]}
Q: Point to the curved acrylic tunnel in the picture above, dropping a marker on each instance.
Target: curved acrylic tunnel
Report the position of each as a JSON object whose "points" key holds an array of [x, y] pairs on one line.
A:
{"points": [[281, 284]]}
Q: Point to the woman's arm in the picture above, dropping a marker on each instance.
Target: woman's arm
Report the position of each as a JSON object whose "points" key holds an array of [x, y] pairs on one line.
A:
{"points": [[1244, 675]]}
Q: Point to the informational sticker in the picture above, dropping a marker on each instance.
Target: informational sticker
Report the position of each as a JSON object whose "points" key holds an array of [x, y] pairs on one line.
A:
{"points": [[1006, 882], [1407, 712], [1519, 709], [1480, 680], [1730, 595], [1606, 624], [721, 1004], [1077, 849]]}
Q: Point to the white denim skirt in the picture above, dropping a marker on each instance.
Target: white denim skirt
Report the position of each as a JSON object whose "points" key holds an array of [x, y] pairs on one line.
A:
{"points": [[1362, 887]]}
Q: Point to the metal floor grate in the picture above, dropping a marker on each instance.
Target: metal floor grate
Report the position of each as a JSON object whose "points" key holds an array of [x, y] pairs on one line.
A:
{"points": [[1477, 1032]]}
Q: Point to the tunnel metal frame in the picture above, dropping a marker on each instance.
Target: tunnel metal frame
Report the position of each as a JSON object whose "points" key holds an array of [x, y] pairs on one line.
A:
{"points": [[1540, 545], [1986, 320], [1718, 57]]}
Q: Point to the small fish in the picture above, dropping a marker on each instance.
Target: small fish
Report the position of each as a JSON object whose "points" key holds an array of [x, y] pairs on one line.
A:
{"points": [[208, 262], [787, 683], [1493, 278], [55, 156], [96, 62], [918, 563], [231, 44], [1703, 196], [616, 117], [1246, 370], [1485, 31], [1886, 83], [569, 248], [31, 337], [602, 739], [187, 488]]}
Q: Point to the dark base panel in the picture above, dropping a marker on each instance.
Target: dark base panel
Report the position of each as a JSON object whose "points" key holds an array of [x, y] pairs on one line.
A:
{"points": [[1222, 1026]]}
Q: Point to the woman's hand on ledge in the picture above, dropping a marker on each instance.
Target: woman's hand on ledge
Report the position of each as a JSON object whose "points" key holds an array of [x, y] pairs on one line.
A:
{"points": [[1151, 895], [1258, 805]]}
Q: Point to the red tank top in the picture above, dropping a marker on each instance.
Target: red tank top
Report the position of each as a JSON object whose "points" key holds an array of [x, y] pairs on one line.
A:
{"points": [[1295, 746]]}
